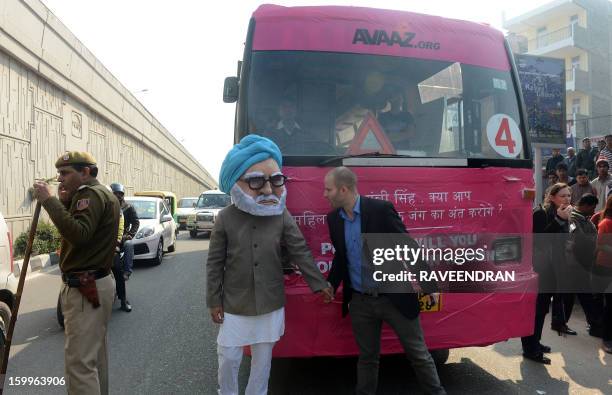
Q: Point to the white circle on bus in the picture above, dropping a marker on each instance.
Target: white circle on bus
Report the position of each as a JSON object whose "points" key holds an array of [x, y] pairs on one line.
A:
{"points": [[504, 136]]}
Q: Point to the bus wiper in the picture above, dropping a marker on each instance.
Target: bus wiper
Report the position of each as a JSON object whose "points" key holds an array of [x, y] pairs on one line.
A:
{"points": [[375, 154]]}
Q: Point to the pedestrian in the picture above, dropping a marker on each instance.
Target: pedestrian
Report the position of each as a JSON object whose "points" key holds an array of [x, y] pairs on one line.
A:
{"points": [[606, 152], [556, 158], [562, 175], [88, 228], [602, 275], [586, 157], [116, 268], [352, 216], [550, 228], [570, 162], [581, 254], [601, 144], [245, 290], [122, 267], [602, 183], [582, 186], [131, 227]]}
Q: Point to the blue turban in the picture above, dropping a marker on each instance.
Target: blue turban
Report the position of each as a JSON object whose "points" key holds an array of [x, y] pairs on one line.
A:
{"points": [[250, 150]]}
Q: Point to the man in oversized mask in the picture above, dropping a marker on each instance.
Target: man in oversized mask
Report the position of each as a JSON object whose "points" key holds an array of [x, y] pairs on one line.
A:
{"points": [[245, 284]]}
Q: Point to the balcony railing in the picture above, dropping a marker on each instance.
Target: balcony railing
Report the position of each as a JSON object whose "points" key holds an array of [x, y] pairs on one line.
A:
{"points": [[572, 31]]}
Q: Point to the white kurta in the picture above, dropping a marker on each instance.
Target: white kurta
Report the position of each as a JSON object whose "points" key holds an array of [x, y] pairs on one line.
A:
{"points": [[243, 330]]}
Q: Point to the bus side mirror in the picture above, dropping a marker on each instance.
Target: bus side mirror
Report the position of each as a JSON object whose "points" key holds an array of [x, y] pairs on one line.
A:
{"points": [[230, 90]]}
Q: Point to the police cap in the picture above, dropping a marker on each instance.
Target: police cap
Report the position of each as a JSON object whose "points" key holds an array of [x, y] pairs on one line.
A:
{"points": [[75, 158]]}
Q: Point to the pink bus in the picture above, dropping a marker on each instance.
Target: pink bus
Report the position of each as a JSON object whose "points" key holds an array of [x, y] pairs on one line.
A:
{"points": [[428, 112]]}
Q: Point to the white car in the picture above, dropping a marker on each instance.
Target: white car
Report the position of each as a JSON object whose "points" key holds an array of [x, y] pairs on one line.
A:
{"points": [[185, 207], [8, 281], [206, 210], [156, 233]]}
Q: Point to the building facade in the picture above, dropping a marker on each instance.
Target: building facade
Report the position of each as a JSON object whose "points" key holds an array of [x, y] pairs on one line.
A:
{"points": [[55, 96], [580, 32]]}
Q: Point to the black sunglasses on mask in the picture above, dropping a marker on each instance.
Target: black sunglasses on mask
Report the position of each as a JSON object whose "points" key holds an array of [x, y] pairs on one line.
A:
{"points": [[258, 182]]}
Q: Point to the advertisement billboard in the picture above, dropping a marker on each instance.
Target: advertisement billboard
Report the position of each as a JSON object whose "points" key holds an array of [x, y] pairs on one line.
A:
{"points": [[543, 85]]}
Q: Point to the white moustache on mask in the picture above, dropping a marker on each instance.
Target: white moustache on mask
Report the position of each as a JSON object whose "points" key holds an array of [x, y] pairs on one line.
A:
{"points": [[256, 206]]}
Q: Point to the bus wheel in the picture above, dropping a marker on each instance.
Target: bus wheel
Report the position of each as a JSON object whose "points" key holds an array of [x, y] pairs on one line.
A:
{"points": [[440, 356], [193, 234]]}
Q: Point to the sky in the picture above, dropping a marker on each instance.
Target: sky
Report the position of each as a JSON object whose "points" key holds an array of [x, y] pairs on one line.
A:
{"points": [[174, 55]]}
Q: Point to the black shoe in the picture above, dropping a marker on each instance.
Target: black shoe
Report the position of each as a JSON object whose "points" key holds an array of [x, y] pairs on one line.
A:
{"points": [[126, 306], [596, 331], [563, 329], [539, 357], [607, 346], [545, 349]]}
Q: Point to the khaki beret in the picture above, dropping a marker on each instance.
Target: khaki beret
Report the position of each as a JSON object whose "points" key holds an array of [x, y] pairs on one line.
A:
{"points": [[75, 158]]}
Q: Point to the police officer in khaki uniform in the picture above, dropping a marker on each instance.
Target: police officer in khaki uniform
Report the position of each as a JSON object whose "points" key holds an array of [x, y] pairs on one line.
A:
{"points": [[88, 222]]}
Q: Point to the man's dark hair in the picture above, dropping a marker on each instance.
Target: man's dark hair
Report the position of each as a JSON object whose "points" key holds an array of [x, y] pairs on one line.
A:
{"points": [[588, 199], [561, 166], [607, 135], [581, 172], [93, 169], [586, 139]]}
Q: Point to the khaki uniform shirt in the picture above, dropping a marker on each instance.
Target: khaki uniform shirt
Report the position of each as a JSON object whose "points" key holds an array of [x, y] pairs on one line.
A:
{"points": [[88, 228], [244, 269]]}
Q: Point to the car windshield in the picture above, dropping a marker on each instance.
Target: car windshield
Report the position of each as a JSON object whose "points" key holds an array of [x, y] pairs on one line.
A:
{"points": [[327, 104], [145, 209], [214, 201], [187, 203]]}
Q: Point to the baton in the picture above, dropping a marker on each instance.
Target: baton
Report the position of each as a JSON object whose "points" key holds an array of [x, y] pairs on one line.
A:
{"points": [[22, 275]]}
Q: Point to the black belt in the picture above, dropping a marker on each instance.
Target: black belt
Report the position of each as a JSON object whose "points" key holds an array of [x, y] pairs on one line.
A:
{"points": [[72, 279]]}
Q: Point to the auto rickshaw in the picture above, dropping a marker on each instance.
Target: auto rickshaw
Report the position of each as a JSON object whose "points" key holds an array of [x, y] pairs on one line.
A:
{"points": [[168, 197]]}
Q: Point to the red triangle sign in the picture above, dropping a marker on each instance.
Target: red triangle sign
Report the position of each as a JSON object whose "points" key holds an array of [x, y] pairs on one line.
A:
{"points": [[370, 138]]}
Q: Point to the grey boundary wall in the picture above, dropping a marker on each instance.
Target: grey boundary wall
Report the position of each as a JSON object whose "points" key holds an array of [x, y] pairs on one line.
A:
{"points": [[55, 96]]}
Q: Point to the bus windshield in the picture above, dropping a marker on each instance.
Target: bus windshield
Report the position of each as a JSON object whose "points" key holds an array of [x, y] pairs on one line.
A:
{"points": [[320, 103]]}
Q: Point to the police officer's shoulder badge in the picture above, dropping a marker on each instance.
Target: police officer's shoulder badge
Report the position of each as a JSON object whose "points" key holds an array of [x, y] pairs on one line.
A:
{"points": [[82, 204]]}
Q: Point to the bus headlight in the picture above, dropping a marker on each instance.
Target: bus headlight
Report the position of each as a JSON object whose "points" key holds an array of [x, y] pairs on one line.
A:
{"points": [[507, 249]]}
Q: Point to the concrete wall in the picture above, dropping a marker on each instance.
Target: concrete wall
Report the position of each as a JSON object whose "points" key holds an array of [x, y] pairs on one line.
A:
{"points": [[56, 96]]}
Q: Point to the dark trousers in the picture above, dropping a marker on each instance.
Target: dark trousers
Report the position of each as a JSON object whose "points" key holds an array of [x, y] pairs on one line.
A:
{"points": [[607, 317], [367, 316], [592, 304], [531, 344], [119, 281], [562, 305]]}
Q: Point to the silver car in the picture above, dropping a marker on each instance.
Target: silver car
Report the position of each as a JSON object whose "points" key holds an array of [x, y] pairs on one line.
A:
{"points": [[156, 233]]}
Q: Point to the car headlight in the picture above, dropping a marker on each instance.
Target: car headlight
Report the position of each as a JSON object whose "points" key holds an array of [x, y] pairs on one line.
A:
{"points": [[507, 249], [145, 232]]}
